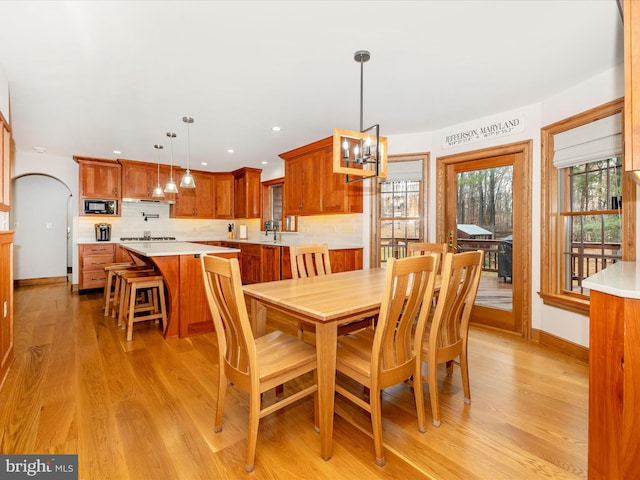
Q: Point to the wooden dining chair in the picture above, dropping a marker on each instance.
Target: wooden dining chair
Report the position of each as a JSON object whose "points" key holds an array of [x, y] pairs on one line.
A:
{"points": [[447, 333], [310, 260], [313, 261], [390, 354], [425, 248], [253, 365]]}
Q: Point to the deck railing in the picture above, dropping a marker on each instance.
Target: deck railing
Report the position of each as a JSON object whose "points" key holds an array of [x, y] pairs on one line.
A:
{"points": [[389, 248], [588, 258]]}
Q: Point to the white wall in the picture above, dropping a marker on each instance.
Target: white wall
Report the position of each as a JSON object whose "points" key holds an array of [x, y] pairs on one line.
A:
{"points": [[39, 218]]}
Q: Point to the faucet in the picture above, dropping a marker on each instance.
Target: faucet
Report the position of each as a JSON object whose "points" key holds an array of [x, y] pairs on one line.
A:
{"points": [[271, 226]]}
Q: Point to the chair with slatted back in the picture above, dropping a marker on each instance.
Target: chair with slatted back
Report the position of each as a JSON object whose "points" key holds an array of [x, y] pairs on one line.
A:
{"points": [[390, 354], [313, 261], [253, 365], [447, 333], [309, 260], [425, 248]]}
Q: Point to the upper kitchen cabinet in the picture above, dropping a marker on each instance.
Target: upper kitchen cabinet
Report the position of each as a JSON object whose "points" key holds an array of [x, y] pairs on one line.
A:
{"points": [[223, 195], [194, 202], [311, 186], [5, 165], [99, 178], [632, 86], [140, 178], [247, 188]]}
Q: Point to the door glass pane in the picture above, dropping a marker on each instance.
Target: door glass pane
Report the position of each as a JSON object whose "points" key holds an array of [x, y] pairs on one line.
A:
{"points": [[485, 222]]}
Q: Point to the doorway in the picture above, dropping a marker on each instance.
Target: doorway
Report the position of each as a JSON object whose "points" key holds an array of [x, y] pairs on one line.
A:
{"points": [[41, 216], [484, 202]]}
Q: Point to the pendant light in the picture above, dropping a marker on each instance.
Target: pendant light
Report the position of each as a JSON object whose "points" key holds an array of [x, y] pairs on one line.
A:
{"points": [[157, 192], [171, 185], [361, 154], [187, 179]]}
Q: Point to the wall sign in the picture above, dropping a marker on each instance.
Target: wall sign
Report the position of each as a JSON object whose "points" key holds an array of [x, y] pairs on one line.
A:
{"points": [[484, 131]]}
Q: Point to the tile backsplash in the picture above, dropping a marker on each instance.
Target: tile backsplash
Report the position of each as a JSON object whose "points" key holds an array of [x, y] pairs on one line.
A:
{"points": [[341, 229]]}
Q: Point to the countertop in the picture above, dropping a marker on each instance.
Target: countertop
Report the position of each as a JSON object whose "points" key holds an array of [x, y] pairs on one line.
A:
{"points": [[263, 240], [621, 279], [163, 249]]}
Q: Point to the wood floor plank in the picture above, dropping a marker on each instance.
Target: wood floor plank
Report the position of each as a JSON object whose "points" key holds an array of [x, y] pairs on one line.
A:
{"points": [[144, 409]]}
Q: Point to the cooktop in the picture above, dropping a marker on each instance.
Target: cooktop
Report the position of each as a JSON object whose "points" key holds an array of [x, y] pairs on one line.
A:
{"points": [[144, 239]]}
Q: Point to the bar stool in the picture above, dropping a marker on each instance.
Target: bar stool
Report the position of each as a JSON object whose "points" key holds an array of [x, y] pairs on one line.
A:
{"points": [[108, 294], [115, 275], [154, 305]]}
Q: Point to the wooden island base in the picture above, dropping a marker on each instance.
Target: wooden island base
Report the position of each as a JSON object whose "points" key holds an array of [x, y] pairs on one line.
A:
{"points": [[186, 300]]}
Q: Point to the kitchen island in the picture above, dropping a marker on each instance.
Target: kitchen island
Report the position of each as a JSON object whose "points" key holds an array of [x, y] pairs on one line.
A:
{"points": [[614, 372], [179, 264]]}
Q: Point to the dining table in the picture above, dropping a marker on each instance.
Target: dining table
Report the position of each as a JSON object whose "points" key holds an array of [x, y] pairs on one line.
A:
{"points": [[326, 301]]}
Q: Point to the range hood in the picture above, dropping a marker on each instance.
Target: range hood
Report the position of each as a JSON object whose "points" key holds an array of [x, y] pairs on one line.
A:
{"points": [[147, 201]]}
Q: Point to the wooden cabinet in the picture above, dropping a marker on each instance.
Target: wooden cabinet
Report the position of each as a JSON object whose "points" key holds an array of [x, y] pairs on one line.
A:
{"points": [[266, 263], [247, 189], [250, 259], [194, 202], [6, 303], [140, 178], [614, 376], [631, 11], [223, 184], [346, 259], [270, 263], [99, 178], [92, 259], [5, 166], [311, 186]]}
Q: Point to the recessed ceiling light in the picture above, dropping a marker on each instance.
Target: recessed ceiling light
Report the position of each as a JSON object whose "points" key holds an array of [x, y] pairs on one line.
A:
{"points": [[276, 129], [230, 150], [264, 162], [204, 164], [117, 152], [40, 149]]}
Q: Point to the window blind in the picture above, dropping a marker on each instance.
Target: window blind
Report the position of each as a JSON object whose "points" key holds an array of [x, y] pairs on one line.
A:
{"points": [[404, 171], [588, 143]]}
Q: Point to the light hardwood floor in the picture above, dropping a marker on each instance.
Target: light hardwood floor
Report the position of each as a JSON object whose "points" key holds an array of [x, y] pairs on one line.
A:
{"points": [[145, 409]]}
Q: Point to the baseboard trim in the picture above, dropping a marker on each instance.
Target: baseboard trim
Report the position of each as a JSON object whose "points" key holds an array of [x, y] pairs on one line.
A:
{"points": [[26, 282], [560, 344]]}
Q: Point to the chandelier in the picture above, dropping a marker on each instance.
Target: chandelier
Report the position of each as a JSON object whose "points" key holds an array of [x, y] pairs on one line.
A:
{"points": [[360, 154]]}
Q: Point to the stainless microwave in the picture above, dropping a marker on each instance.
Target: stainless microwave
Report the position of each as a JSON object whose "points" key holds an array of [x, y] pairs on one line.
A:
{"points": [[100, 207]]}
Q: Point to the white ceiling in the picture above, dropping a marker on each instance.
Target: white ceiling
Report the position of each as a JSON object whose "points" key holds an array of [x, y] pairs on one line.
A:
{"points": [[87, 78]]}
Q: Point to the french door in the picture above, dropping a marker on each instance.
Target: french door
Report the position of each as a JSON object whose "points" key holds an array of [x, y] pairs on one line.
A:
{"points": [[484, 203]]}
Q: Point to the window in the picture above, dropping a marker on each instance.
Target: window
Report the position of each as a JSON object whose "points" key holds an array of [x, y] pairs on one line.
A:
{"points": [[591, 222], [399, 206], [584, 226], [400, 217]]}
